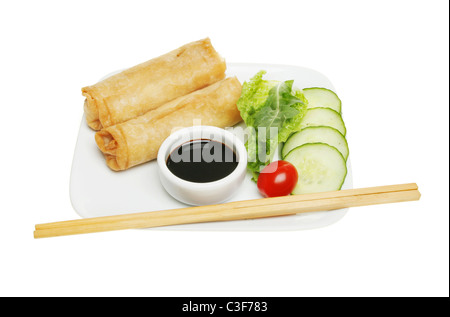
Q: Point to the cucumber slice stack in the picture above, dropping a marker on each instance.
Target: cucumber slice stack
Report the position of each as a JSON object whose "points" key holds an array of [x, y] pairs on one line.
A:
{"points": [[319, 150]]}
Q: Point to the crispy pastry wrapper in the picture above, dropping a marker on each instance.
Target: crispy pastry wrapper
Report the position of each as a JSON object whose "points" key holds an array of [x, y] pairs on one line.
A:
{"points": [[149, 85], [138, 140]]}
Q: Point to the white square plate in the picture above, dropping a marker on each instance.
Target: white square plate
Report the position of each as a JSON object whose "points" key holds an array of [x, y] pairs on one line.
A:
{"points": [[95, 190]]}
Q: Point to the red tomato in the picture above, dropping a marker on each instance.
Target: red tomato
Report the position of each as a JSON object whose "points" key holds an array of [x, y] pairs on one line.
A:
{"points": [[277, 179]]}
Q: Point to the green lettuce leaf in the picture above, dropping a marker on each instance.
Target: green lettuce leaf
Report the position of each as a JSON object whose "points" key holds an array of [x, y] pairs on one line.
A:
{"points": [[272, 110]]}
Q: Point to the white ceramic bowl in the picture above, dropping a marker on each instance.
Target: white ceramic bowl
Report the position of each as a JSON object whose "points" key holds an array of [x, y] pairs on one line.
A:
{"points": [[202, 193]]}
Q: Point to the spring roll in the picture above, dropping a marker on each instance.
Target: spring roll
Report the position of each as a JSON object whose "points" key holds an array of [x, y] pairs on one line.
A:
{"points": [[149, 85], [138, 140]]}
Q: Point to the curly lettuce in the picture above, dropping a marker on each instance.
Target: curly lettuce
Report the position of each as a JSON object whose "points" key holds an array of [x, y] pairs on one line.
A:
{"points": [[272, 110]]}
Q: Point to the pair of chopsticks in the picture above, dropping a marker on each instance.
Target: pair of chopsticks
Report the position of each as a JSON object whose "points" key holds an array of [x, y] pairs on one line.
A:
{"points": [[239, 210]]}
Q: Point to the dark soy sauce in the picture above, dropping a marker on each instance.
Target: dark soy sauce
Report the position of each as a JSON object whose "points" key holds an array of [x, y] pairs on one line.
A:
{"points": [[202, 161]]}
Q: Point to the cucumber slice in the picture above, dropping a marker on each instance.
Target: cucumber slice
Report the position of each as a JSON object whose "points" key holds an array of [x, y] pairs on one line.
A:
{"points": [[323, 117], [323, 98], [319, 134], [320, 167]]}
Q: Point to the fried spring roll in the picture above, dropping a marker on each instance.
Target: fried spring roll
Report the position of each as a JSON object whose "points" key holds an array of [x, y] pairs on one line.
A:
{"points": [[138, 140], [147, 86]]}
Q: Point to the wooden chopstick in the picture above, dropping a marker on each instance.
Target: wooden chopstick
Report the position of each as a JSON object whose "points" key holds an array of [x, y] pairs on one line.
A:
{"points": [[247, 209], [237, 204]]}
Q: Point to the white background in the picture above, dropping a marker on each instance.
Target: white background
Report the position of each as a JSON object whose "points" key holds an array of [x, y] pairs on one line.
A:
{"points": [[389, 62]]}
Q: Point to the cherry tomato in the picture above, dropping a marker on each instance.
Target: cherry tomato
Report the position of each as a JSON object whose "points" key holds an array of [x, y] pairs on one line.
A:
{"points": [[277, 179]]}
